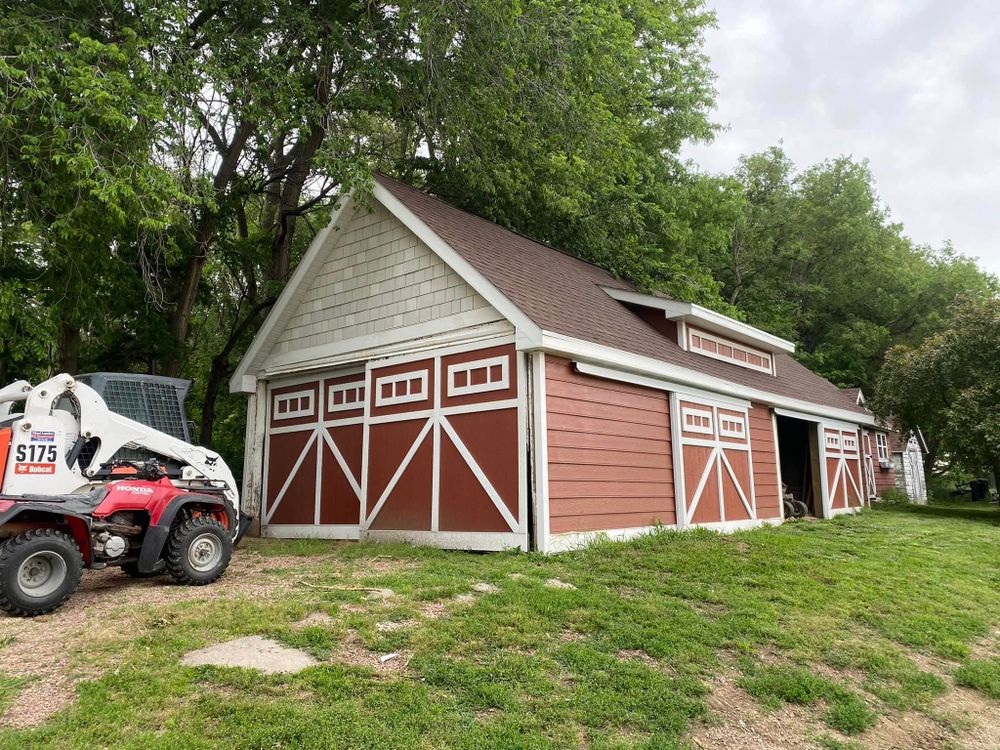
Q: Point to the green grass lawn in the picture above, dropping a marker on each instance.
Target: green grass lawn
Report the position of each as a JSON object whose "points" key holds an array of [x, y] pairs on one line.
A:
{"points": [[845, 626]]}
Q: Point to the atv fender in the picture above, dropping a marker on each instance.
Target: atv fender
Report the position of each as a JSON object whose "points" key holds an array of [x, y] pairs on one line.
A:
{"points": [[156, 534], [78, 524]]}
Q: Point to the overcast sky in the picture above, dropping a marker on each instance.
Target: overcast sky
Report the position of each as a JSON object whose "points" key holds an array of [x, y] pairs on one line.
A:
{"points": [[911, 85]]}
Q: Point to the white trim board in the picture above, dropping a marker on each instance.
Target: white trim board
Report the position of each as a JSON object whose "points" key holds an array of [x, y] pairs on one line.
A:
{"points": [[485, 541], [621, 376], [311, 531], [366, 347], [571, 540], [833, 424]]}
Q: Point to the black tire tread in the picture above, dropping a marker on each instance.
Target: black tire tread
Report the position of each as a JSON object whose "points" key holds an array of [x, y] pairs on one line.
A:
{"points": [[131, 569], [10, 547], [175, 553]]}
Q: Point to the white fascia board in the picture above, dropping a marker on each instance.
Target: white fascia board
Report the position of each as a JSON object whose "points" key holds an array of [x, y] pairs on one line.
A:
{"points": [[362, 349], [833, 424], [710, 320], [244, 381], [674, 376], [527, 329]]}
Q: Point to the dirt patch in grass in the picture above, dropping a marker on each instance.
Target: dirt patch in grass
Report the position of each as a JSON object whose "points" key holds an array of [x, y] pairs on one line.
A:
{"points": [[738, 723], [352, 652], [977, 717], [108, 607], [932, 664], [987, 647], [434, 610], [965, 720]]}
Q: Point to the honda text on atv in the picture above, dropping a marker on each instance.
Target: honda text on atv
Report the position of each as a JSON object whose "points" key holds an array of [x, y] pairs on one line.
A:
{"points": [[67, 504]]}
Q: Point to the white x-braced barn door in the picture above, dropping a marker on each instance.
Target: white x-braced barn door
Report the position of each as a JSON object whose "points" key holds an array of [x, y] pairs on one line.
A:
{"points": [[869, 460], [313, 463], [843, 468], [443, 444], [717, 462]]}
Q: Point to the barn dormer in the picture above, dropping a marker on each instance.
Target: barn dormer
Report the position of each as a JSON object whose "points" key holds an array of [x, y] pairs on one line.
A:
{"points": [[706, 332]]}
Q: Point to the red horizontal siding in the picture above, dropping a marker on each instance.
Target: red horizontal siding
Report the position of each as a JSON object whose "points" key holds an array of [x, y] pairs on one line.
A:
{"points": [[609, 454], [885, 479], [765, 463]]}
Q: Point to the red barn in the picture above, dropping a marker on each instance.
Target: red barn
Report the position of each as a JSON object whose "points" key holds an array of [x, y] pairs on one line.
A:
{"points": [[430, 376]]}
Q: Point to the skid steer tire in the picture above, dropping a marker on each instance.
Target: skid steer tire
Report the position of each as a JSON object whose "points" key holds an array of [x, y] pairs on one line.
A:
{"points": [[198, 551], [39, 570]]}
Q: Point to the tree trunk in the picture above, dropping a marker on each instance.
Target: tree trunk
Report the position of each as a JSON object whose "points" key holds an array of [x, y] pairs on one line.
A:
{"points": [[180, 320], [220, 370], [69, 348]]}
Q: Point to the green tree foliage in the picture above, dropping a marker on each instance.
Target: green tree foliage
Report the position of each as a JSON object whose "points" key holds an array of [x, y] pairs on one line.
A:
{"points": [[79, 117], [948, 386], [166, 162], [159, 186], [814, 258]]}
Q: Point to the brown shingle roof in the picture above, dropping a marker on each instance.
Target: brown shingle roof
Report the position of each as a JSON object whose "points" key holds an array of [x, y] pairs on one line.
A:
{"points": [[563, 294]]}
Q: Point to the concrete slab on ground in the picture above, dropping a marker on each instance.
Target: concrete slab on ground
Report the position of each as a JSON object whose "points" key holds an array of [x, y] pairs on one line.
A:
{"points": [[252, 652]]}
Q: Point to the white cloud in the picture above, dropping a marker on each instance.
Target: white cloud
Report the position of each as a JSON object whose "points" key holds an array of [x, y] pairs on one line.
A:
{"points": [[910, 85]]}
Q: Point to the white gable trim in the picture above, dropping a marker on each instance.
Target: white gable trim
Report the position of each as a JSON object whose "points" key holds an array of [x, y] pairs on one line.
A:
{"points": [[529, 334], [242, 380], [672, 376]]}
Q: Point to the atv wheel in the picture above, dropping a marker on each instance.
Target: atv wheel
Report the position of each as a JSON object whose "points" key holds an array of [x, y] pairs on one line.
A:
{"points": [[198, 551], [39, 570]]}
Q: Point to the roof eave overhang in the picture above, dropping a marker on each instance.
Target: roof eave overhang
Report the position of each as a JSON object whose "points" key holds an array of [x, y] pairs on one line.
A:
{"points": [[673, 377], [702, 317]]}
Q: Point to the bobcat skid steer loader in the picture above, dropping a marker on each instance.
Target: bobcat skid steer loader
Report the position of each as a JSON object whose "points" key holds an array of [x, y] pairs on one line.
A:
{"points": [[69, 501]]}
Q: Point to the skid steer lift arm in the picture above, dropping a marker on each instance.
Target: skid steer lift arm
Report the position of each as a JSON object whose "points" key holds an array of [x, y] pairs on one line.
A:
{"points": [[61, 415]]}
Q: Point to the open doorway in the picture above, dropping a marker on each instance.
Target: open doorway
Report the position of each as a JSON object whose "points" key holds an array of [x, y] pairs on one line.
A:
{"points": [[798, 450]]}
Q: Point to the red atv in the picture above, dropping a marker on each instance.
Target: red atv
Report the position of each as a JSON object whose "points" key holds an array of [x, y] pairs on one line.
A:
{"points": [[143, 523]]}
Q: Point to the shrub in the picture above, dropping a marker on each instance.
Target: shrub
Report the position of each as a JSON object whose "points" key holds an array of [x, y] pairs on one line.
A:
{"points": [[894, 496]]}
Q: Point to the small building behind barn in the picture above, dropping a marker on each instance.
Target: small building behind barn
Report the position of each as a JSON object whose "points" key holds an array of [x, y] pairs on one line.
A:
{"points": [[430, 376], [895, 461]]}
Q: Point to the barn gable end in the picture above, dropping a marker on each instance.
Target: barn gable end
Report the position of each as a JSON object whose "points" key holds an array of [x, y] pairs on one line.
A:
{"points": [[375, 281]]}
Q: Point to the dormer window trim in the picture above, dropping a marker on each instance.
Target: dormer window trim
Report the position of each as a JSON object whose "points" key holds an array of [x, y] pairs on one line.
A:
{"points": [[688, 314], [734, 346]]}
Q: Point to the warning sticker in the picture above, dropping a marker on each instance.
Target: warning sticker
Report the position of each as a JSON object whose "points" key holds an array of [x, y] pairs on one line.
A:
{"points": [[43, 436], [34, 468]]}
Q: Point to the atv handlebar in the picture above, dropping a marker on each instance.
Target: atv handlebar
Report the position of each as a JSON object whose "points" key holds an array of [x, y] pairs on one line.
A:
{"points": [[146, 470]]}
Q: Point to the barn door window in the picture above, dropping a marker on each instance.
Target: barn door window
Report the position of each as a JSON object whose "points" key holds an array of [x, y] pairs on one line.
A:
{"points": [[293, 405], [479, 376], [731, 426], [698, 420], [404, 388], [344, 396]]}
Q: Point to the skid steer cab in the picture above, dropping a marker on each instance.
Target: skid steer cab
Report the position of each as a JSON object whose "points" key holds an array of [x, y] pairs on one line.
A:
{"points": [[69, 502]]}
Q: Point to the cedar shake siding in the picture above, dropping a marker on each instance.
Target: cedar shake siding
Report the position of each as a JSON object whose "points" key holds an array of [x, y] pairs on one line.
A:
{"points": [[610, 463]]}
